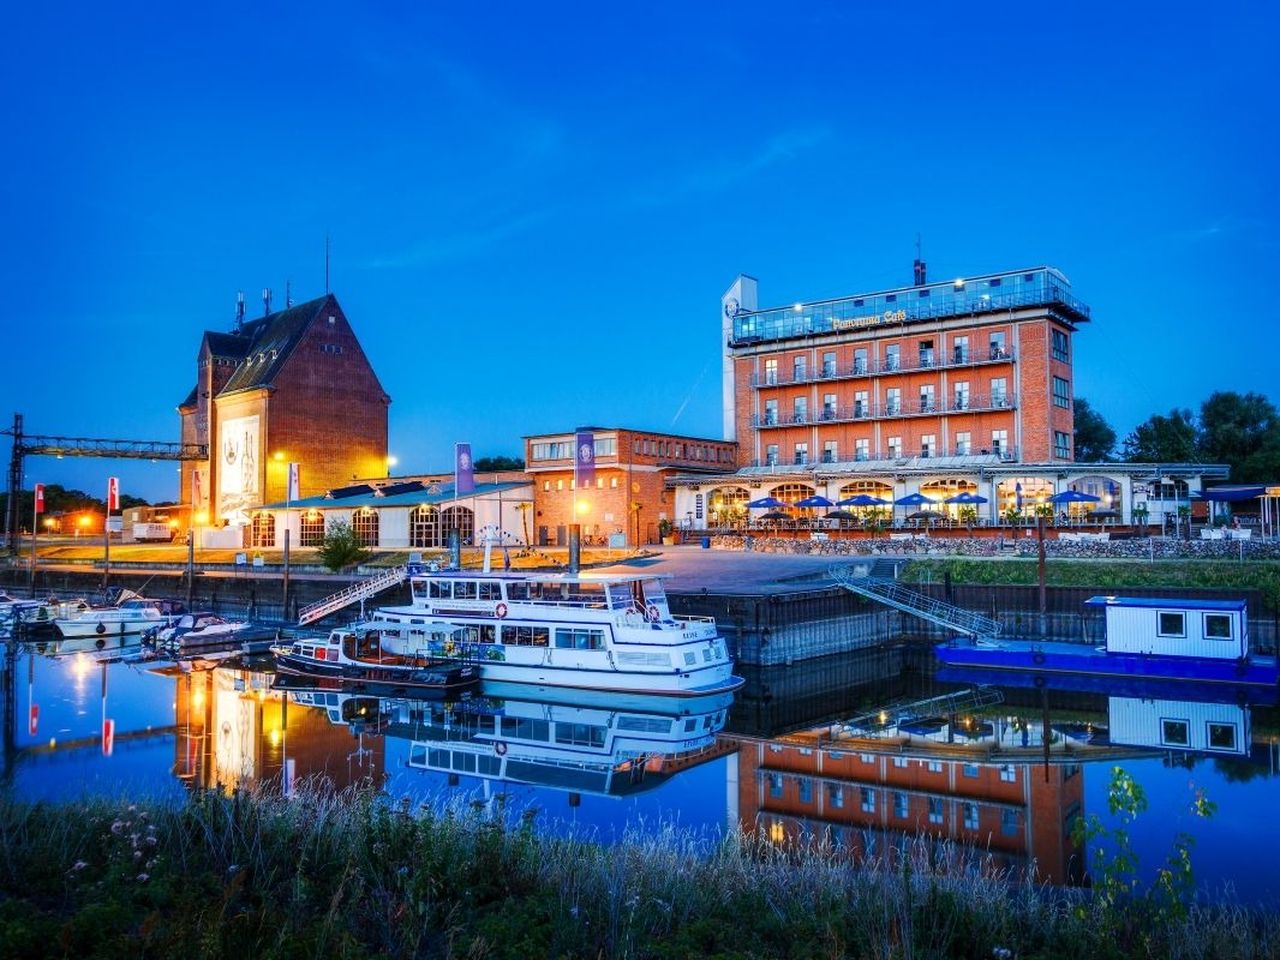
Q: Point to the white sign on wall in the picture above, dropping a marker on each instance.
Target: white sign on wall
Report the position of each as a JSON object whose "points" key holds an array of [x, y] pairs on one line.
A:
{"points": [[239, 454]]}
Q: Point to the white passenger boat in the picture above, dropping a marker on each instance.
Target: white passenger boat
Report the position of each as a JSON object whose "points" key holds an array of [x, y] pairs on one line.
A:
{"points": [[607, 632], [192, 631], [130, 618]]}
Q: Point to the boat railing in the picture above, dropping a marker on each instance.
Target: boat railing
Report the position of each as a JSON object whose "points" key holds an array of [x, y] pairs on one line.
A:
{"points": [[683, 618]]}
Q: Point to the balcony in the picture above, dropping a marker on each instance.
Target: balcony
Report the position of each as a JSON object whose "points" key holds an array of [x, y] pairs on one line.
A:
{"points": [[877, 368], [853, 412], [880, 458]]}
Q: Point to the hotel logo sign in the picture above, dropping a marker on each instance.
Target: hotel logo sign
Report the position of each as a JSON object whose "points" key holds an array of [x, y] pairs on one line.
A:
{"points": [[871, 320]]}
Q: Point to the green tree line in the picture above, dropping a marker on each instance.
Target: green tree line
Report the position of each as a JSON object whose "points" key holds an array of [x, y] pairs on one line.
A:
{"points": [[58, 499], [1241, 430]]}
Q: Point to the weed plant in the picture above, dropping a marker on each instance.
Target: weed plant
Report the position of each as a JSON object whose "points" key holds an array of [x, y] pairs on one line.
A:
{"points": [[350, 874]]}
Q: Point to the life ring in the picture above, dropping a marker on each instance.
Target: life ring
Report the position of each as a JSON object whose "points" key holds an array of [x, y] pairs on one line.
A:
{"points": [[500, 748], [653, 613], [1037, 657], [500, 610], [101, 627], [99, 643]]}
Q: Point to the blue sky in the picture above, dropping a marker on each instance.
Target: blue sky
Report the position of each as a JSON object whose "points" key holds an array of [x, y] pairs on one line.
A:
{"points": [[534, 209]]}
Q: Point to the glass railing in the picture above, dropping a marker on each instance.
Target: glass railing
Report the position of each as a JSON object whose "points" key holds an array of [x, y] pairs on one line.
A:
{"points": [[1032, 288], [845, 413], [873, 368]]}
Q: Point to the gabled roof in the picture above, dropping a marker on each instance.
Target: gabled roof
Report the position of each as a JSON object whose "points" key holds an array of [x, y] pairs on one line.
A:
{"points": [[267, 343], [190, 401], [226, 346]]}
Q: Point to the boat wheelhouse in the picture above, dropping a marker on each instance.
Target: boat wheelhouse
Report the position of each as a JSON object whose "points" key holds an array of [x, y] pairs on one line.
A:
{"points": [[611, 632], [357, 661], [1186, 640]]}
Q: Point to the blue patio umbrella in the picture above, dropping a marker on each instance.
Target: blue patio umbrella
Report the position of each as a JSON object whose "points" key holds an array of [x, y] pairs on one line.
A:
{"points": [[817, 500], [913, 500], [766, 503], [1073, 496], [862, 500], [966, 498]]}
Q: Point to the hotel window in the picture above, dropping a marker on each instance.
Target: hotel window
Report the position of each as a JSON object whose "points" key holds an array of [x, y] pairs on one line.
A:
{"points": [[997, 345], [806, 790], [862, 449], [607, 447], [802, 453], [546, 486], [860, 360], [599, 483], [775, 785], [861, 403], [1008, 773], [829, 364], [799, 410], [1000, 442], [1222, 736], [797, 369], [895, 447], [892, 401], [613, 483], [1060, 346], [928, 445], [835, 795], [771, 455], [829, 406], [900, 805], [935, 766], [961, 395], [1171, 624], [1175, 733], [926, 353], [960, 350], [926, 398], [868, 800], [971, 816], [364, 524], [892, 357], [999, 392], [935, 809], [829, 452], [1009, 823], [771, 411], [559, 484], [970, 770], [771, 371], [1061, 393], [263, 530], [964, 444], [312, 532], [1217, 626], [1061, 445]]}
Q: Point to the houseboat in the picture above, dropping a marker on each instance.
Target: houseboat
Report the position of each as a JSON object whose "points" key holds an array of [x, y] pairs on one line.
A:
{"points": [[1200, 641], [605, 632], [357, 661]]}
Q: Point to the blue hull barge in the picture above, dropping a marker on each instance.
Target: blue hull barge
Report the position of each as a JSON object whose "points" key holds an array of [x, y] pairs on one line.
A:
{"points": [[1200, 641]]}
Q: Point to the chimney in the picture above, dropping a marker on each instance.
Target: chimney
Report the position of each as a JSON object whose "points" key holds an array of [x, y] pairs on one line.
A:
{"points": [[266, 301], [239, 310], [919, 273]]}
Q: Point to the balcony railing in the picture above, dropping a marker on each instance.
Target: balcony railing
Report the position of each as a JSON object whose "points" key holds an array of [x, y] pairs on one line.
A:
{"points": [[848, 413], [877, 368], [784, 465]]}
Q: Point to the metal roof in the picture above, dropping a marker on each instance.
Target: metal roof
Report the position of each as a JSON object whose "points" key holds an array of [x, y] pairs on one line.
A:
{"points": [[441, 494], [1167, 603]]}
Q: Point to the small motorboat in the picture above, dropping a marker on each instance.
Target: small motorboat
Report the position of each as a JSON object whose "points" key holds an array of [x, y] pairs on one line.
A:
{"points": [[356, 659], [195, 631]]}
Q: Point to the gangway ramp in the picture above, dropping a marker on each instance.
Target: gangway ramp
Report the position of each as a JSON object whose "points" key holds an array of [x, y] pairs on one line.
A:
{"points": [[893, 594], [890, 716], [352, 594]]}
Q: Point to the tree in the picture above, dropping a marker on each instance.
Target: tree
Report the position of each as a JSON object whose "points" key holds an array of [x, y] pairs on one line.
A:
{"points": [[524, 507], [1242, 430], [1163, 438], [494, 464], [1095, 441], [340, 548]]}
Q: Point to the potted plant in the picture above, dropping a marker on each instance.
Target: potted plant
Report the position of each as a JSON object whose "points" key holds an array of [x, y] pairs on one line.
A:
{"points": [[666, 532], [969, 516]]}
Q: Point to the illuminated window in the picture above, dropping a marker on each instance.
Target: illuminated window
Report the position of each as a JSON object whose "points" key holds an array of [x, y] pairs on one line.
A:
{"points": [[424, 527], [311, 531], [364, 524], [463, 519], [263, 530]]}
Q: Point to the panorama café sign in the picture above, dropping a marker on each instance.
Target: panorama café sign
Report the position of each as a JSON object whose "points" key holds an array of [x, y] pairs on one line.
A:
{"points": [[871, 320]]}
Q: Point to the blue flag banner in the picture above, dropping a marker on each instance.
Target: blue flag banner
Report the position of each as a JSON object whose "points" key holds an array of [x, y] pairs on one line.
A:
{"points": [[584, 460], [464, 471]]}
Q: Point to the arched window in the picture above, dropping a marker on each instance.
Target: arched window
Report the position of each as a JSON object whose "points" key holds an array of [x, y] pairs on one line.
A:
{"points": [[364, 524], [727, 506], [311, 530], [789, 493], [424, 527], [1110, 496], [941, 489], [1023, 494], [461, 518], [262, 531], [872, 488]]}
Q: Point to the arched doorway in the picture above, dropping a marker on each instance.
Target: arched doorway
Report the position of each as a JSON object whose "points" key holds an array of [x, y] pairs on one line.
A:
{"points": [[1022, 495], [942, 489], [1109, 505], [311, 529], [262, 530], [424, 527], [869, 488], [727, 506], [461, 518], [364, 524]]}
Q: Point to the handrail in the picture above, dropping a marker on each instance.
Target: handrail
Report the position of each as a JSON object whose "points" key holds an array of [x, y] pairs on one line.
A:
{"points": [[349, 595], [893, 594]]}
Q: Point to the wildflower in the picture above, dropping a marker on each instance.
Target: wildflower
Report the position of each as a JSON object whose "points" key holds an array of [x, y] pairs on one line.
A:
{"points": [[137, 854], [117, 827], [1001, 953], [133, 807], [150, 864], [150, 841], [78, 866], [144, 877]]}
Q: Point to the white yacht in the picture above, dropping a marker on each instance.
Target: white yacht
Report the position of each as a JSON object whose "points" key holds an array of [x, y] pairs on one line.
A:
{"points": [[130, 618], [605, 632]]}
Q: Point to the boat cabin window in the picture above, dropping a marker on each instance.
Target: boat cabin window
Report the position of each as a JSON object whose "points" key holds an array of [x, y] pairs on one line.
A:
{"points": [[1171, 624], [362, 646], [480, 633], [1222, 736], [518, 590], [439, 589], [1217, 626], [619, 595], [526, 636], [526, 728], [654, 594], [490, 590], [464, 590], [579, 639], [1175, 733], [580, 734]]}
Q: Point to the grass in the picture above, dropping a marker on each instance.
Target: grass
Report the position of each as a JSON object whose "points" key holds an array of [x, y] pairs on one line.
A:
{"points": [[1106, 574], [328, 875]]}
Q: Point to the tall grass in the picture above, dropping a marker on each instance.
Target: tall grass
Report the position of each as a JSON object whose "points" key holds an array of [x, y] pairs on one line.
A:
{"points": [[350, 875]]}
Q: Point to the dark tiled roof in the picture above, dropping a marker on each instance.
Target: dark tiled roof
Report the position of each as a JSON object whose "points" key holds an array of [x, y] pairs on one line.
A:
{"points": [[270, 340], [231, 346], [190, 401]]}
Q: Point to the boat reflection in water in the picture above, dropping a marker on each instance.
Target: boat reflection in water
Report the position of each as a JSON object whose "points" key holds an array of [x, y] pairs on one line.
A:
{"points": [[997, 771]]}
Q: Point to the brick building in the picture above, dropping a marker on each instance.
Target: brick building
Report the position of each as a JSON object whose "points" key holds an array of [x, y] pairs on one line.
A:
{"points": [[293, 386], [628, 496], [961, 368]]}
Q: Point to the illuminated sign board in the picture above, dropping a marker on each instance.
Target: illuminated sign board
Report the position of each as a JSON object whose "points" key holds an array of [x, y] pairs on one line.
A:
{"points": [[874, 319]]}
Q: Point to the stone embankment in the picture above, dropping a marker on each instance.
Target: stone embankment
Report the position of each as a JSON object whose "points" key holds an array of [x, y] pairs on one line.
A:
{"points": [[1146, 548]]}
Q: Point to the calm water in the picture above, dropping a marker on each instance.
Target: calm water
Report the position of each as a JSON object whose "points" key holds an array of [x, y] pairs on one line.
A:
{"points": [[865, 750]]}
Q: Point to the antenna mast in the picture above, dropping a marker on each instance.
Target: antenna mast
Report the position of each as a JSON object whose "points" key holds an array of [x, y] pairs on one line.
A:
{"points": [[326, 262]]}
